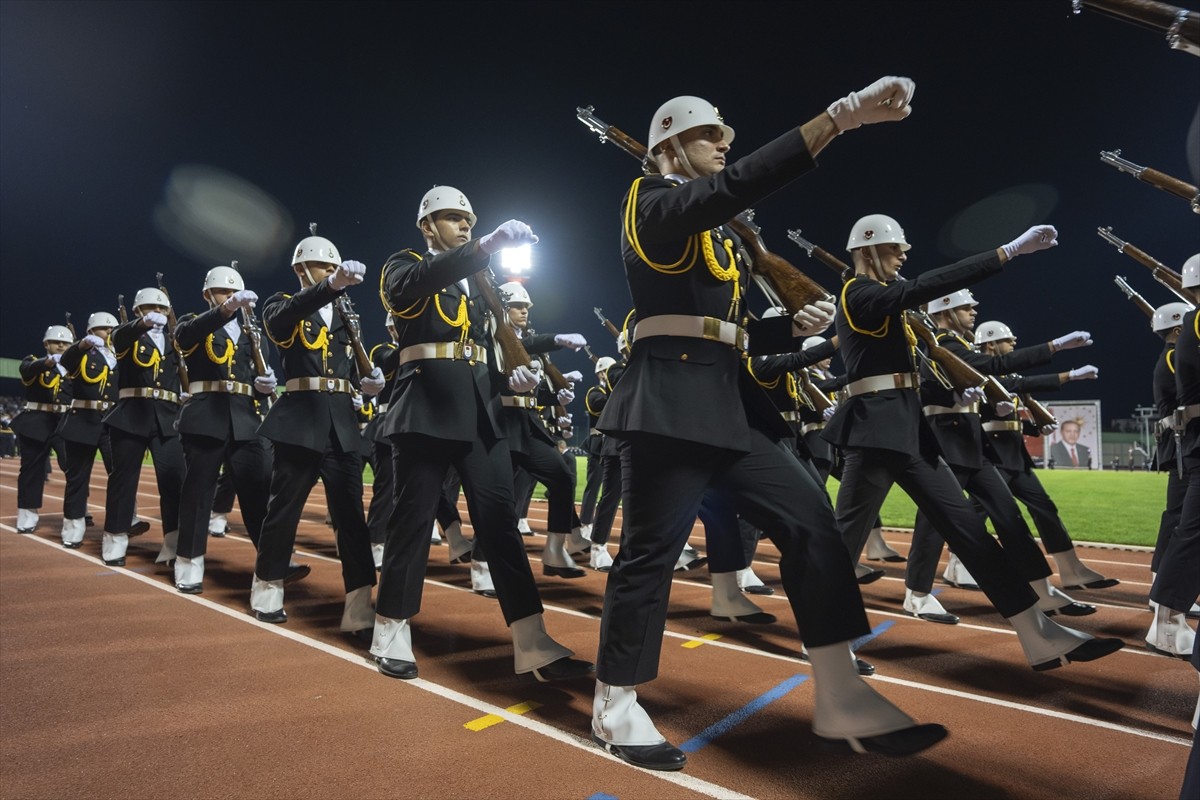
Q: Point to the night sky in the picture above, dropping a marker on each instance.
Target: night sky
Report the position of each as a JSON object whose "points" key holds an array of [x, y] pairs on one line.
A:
{"points": [[170, 137]]}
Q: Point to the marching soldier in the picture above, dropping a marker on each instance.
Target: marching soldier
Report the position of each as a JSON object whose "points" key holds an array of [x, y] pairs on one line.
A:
{"points": [[1006, 436], [384, 356], [219, 424], [92, 368], [314, 430], [691, 418], [444, 412], [143, 419], [603, 462], [46, 400]]}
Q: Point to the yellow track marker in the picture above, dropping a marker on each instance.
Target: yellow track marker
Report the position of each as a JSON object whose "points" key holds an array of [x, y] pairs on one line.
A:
{"points": [[708, 637], [492, 719]]}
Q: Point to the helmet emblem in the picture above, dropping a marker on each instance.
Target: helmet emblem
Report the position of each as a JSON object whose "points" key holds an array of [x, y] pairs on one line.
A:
{"points": [[462, 201], [717, 114], [299, 250], [425, 204], [869, 234], [666, 123]]}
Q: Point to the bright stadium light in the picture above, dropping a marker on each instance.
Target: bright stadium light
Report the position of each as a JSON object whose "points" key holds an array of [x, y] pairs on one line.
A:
{"points": [[516, 260]]}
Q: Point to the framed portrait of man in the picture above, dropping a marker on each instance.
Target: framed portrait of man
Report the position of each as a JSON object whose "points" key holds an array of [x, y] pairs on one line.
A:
{"points": [[1076, 443]]}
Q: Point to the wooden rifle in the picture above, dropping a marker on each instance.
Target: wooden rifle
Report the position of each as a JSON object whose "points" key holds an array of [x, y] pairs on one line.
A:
{"points": [[1159, 180], [1137, 299], [1181, 27], [349, 317], [817, 400], [1039, 415], [608, 326], [512, 351], [182, 368], [253, 334], [122, 314], [792, 286], [1161, 272], [594, 358], [70, 327]]}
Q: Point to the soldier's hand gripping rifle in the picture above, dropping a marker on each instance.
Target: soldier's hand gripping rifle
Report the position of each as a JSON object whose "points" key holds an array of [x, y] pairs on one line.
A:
{"points": [[1159, 180], [122, 314], [182, 369], [253, 332], [792, 286], [1161, 272], [1137, 299], [1181, 27]]}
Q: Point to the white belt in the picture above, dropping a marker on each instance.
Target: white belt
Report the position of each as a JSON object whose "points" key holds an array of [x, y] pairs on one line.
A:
{"points": [[50, 407], [226, 387], [451, 350], [153, 394], [882, 383], [790, 416], [812, 426], [320, 385], [91, 405], [511, 401], [933, 411], [1163, 425], [710, 328], [1002, 425]]}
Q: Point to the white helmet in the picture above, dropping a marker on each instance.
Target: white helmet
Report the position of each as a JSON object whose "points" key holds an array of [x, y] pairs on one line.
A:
{"points": [[1191, 272], [101, 319], [622, 341], [58, 333], [1169, 316], [962, 297], [603, 363], [151, 297], [811, 342], [316, 248], [992, 331], [444, 198], [514, 292], [682, 114], [876, 229], [224, 278]]}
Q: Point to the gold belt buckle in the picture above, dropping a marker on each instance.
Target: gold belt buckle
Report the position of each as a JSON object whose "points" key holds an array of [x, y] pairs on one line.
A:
{"points": [[712, 329]]}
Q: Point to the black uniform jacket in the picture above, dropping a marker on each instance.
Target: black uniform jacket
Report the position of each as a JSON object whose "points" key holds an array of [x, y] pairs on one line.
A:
{"points": [[450, 399], [309, 349], [43, 384], [520, 425], [682, 387], [141, 365], [92, 380], [386, 356], [212, 355], [873, 340], [776, 374], [960, 435], [1187, 384], [1008, 447]]}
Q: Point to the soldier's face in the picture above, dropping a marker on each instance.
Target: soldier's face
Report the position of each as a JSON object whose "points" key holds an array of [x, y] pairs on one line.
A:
{"points": [[453, 228], [965, 317], [1004, 347], [54, 348], [886, 262], [314, 271], [705, 148], [518, 315], [142, 311], [218, 296], [103, 333]]}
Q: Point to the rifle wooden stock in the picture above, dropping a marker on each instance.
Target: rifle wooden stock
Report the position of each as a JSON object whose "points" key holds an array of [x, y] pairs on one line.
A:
{"points": [[349, 317], [1137, 299], [1161, 272], [844, 270], [183, 370], [122, 314], [1157, 179], [511, 349], [70, 327], [558, 381], [816, 398], [960, 374], [1181, 26], [594, 358], [1038, 413]]}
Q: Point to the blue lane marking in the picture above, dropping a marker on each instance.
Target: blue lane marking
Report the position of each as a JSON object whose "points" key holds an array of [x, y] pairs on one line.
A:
{"points": [[876, 631], [730, 722], [602, 796]]}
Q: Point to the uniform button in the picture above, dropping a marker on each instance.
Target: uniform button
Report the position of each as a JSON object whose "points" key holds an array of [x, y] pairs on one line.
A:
{"points": [[417, 370], [683, 357]]}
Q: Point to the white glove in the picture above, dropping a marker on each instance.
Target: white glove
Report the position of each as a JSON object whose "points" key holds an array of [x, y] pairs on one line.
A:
{"points": [[513, 233], [265, 384], [886, 100], [1004, 408], [1039, 237], [1071, 341], [571, 340], [522, 380], [90, 341], [829, 412], [969, 395], [357, 399], [1084, 373], [565, 397], [573, 377], [243, 299], [155, 320], [563, 422], [54, 357], [1050, 428], [184, 397], [814, 318], [372, 384], [348, 274]]}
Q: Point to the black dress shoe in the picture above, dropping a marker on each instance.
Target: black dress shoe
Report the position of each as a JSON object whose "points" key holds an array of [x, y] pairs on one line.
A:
{"points": [[219, 534], [88, 521], [1167, 653], [974, 587], [296, 573], [465, 558], [757, 618], [1072, 610], [362, 636], [1103, 583], [762, 589], [1088, 651], [274, 617], [941, 619], [190, 588], [72, 545], [691, 566], [116, 562], [138, 528], [397, 668], [565, 669], [24, 530], [871, 577], [898, 743], [488, 593], [562, 572], [864, 667], [663, 756]]}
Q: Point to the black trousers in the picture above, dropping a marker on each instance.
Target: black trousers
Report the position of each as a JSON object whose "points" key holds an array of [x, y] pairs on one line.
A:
{"points": [[447, 510], [989, 490], [868, 474], [545, 464], [610, 496], [1026, 487], [380, 507], [591, 489], [35, 466], [1171, 516], [729, 541], [294, 472], [80, 460], [420, 464], [249, 466], [1177, 583], [224, 497], [664, 483], [128, 450]]}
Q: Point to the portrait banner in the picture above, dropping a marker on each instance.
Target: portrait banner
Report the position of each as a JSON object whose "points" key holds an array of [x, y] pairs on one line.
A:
{"points": [[1076, 443]]}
